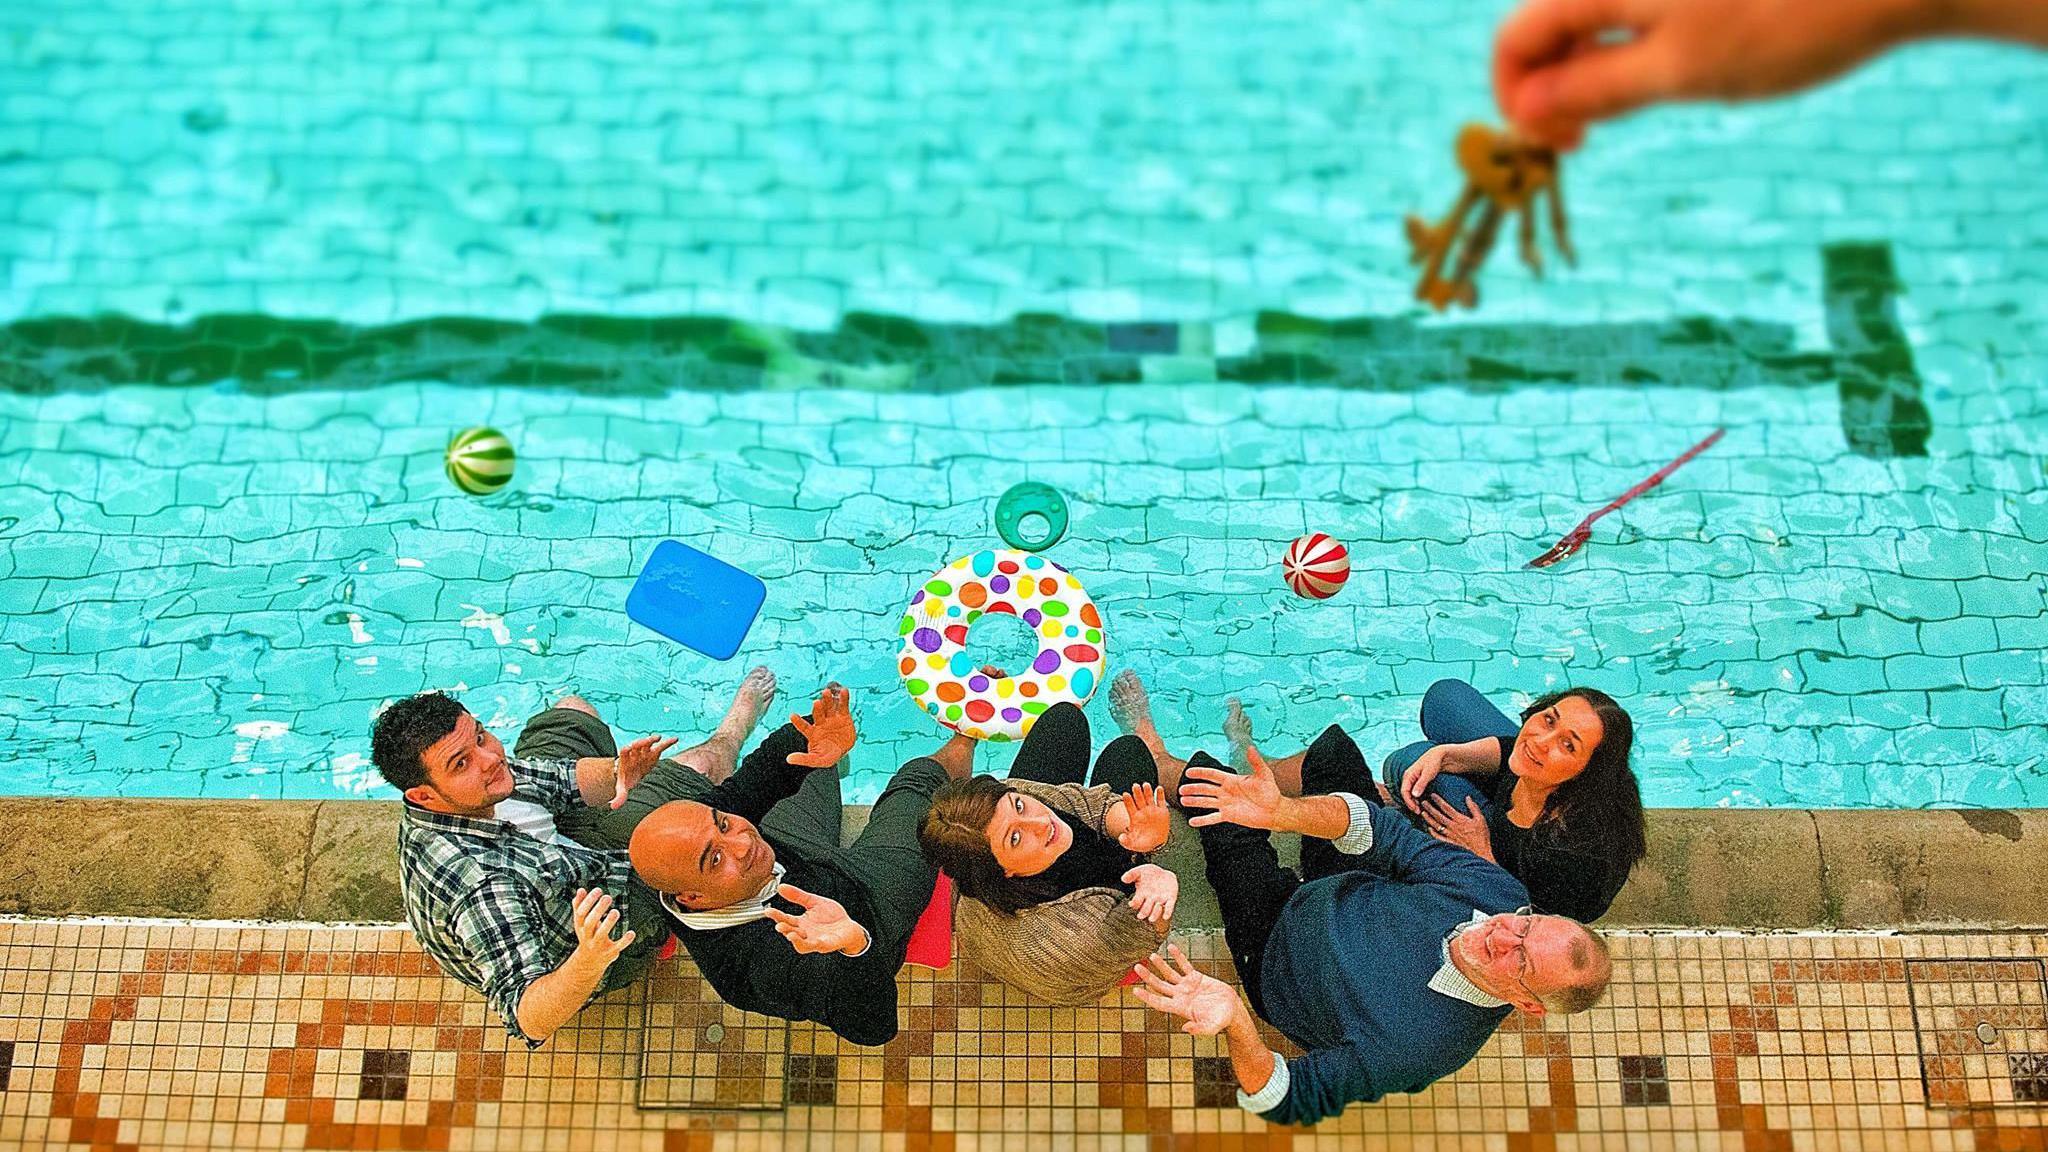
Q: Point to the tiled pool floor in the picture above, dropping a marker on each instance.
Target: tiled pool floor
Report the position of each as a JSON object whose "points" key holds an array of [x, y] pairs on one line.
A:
{"points": [[147, 1035], [208, 591], [809, 284]]}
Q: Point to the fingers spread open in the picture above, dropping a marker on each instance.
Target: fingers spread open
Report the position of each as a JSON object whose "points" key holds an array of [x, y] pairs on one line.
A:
{"points": [[1151, 999], [1162, 985]]}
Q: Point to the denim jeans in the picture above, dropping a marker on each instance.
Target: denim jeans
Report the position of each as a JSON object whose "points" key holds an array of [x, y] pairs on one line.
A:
{"points": [[1453, 712]]}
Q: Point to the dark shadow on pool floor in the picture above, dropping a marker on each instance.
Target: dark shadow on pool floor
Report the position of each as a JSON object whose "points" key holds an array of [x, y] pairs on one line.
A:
{"points": [[1870, 362]]}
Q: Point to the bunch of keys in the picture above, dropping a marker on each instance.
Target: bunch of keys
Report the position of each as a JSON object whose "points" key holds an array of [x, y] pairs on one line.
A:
{"points": [[1507, 175]]}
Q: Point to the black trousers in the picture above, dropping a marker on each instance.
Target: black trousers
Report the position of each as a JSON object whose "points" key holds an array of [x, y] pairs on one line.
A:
{"points": [[1252, 889], [1057, 748]]}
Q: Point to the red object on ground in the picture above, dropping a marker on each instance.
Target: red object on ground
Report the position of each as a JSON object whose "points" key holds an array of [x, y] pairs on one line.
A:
{"points": [[931, 942], [1577, 537], [668, 948]]}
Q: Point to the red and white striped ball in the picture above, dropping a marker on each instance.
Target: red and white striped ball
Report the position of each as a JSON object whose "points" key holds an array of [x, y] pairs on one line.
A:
{"points": [[1316, 566]]}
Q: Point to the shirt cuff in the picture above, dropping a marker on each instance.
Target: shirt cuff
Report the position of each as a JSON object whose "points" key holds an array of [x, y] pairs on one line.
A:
{"points": [[863, 948], [1268, 1098], [1357, 839]]}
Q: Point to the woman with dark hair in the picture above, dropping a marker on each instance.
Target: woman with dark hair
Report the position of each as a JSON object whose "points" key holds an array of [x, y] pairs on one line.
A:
{"points": [[1551, 799], [1054, 894]]}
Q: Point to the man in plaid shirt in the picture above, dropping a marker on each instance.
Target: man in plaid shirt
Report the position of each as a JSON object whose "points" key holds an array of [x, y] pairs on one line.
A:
{"points": [[513, 869]]}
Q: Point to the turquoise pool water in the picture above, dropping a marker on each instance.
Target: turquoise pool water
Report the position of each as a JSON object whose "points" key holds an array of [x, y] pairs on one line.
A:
{"points": [[808, 286]]}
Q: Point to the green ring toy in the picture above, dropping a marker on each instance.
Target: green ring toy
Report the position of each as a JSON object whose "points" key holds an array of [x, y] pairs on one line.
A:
{"points": [[1027, 499]]}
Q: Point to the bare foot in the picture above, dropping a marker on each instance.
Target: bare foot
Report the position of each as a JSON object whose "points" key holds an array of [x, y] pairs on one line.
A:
{"points": [[1237, 728], [1131, 707], [749, 704], [956, 756], [719, 756]]}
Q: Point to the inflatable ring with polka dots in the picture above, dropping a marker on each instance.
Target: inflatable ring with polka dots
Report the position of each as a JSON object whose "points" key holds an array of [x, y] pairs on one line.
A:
{"points": [[947, 684]]}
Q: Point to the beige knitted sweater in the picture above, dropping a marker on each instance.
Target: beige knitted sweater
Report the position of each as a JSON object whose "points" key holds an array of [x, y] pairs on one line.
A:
{"points": [[1073, 950]]}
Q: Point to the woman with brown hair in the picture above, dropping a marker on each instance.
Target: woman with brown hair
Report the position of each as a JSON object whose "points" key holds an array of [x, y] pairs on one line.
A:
{"points": [[1055, 896], [1550, 798]]}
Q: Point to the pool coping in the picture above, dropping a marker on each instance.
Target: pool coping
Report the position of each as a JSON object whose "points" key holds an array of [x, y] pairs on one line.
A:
{"points": [[334, 861]]}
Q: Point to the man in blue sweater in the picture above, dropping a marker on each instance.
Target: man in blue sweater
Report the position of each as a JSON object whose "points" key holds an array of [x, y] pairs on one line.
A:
{"points": [[1390, 965]]}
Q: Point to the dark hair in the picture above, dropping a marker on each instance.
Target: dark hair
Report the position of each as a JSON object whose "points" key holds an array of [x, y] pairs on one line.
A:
{"points": [[954, 836], [1603, 805], [407, 729]]}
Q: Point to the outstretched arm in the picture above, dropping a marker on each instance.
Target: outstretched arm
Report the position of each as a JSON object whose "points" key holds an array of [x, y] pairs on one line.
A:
{"points": [[774, 771], [1560, 65], [1300, 1091], [1254, 801]]}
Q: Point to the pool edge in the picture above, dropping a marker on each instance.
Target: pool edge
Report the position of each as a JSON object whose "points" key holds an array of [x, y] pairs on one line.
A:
{"points": [[334, 861]]}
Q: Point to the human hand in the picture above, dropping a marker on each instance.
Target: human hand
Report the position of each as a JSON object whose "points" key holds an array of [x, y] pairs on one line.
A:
{"points": [[1559, 65], [1466, 829], [823, 926], [1416, 780], [1147, 820], [1157, 892], [594, 918], [635, 761], [1252, 801], [1179, 989], [828, 733]]}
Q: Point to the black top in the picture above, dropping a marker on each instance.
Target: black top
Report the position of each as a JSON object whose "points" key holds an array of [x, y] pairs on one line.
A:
{"points": [[1091, 861], [1565, 869], [752, 967]]}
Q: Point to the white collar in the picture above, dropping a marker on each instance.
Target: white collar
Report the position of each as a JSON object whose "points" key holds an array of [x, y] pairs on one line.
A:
{"points": [[1455, 984], [730, 916]]}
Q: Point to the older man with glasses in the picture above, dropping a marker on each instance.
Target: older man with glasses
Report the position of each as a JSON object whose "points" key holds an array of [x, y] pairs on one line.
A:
{"points": [[1390, 963]]}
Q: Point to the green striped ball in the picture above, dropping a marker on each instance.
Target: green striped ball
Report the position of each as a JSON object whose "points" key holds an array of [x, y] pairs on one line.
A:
{"points": [[480, 460]]}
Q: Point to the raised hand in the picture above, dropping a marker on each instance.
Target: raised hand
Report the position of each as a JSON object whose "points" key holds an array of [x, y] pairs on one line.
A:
{"points": [[1560, 65], [1252, 801], [829, 732], [1179, 989], [1147, 820], [823, 926], [636, 760], [594, 919], [1158, 891]]}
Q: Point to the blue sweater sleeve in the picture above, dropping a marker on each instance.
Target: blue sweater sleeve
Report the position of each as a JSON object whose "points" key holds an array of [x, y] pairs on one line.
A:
{"points": [[1327, 1080], [1406, 853]]}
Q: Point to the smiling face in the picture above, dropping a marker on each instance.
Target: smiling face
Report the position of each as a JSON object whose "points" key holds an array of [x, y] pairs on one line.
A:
{"points": [[1026, 836], [704, 857], [466, 772], [1556, 743], [1527, 959]]}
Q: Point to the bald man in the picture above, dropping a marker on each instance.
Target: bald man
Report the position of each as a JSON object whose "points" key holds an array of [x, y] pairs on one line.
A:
{"points": [[780, 919]]}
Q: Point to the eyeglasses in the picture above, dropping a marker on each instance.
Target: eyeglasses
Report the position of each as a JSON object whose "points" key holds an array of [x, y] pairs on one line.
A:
{"points": [[1524, 920]]}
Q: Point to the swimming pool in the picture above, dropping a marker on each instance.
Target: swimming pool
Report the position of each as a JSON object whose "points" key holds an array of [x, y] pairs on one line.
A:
{"points": [[808, 286]]}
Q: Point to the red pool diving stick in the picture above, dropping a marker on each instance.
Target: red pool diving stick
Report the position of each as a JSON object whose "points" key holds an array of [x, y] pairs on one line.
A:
{"points": [[1577, 537]]}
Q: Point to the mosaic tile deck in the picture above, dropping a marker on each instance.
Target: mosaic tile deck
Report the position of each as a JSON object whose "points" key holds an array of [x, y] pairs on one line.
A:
{"points": [[137, 1035]]}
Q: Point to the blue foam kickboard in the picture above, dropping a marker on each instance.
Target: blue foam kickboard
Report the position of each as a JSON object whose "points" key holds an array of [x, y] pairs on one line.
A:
{"points": [[698, 601]]}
